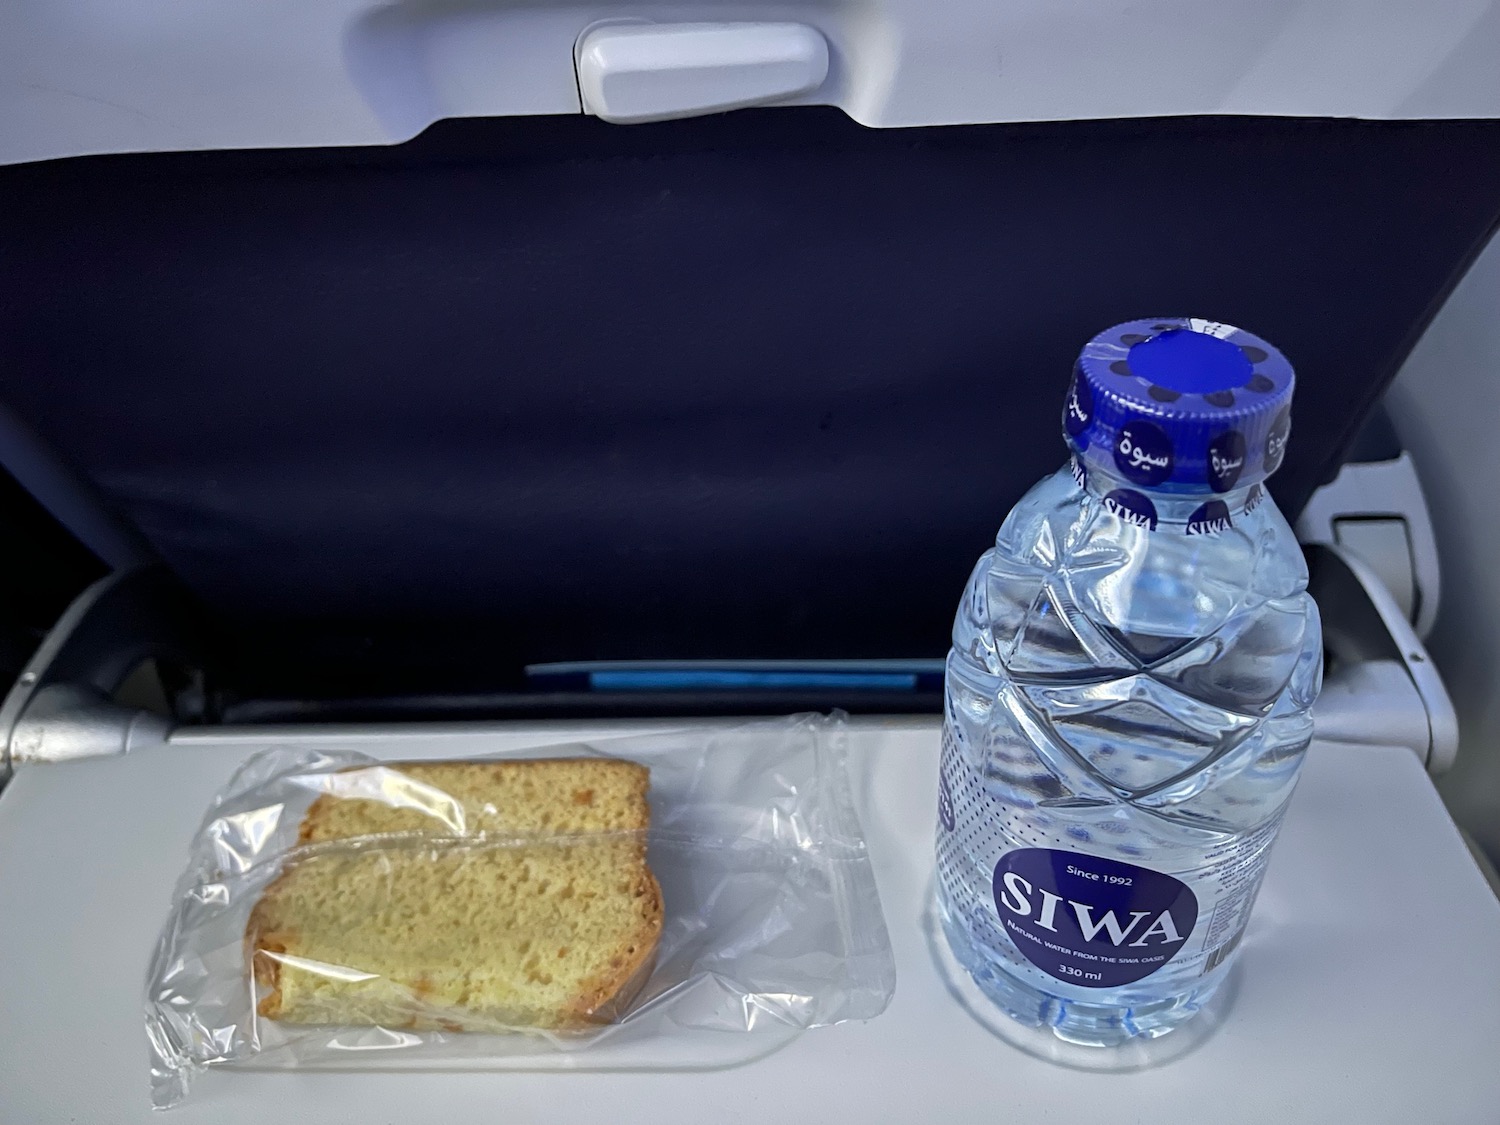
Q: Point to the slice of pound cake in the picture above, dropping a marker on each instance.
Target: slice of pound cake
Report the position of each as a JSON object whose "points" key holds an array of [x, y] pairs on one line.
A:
{"points": [[472, 896]]}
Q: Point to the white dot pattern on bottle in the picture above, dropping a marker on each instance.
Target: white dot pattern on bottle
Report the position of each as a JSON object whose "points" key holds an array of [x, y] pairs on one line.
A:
{"points": [[963, 863]]}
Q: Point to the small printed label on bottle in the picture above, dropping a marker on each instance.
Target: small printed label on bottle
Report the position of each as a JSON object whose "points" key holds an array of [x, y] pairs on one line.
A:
{"points": [[1078, 410], [1232, 875], [1209, 519], [1226, 460], [1143, 453], [1131, 506], [1281, 429]]}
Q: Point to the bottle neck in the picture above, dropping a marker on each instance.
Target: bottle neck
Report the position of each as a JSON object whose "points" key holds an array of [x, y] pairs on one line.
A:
{"points": [[1191, 511]]}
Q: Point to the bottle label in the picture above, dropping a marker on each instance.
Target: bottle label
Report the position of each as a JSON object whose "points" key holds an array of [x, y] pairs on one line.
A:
{"points": [[1209, 519], [1096, 922], [1091, 920], [1226, 460], [1132, 507]]}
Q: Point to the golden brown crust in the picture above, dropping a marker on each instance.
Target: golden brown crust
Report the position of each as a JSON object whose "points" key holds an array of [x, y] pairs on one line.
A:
{"points": [[261, 939], [604, 999], [313, 815]]}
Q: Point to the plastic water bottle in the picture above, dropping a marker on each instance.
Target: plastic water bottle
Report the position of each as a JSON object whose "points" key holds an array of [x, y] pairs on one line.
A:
{"points": [[1128, 694]]}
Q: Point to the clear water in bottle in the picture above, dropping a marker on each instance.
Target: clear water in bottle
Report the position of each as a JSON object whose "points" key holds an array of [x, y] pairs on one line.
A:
{"points": [[1128, 694]]}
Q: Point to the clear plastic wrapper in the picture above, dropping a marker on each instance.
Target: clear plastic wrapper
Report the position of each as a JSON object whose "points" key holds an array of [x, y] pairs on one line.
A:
{"points": [[768, 920]]}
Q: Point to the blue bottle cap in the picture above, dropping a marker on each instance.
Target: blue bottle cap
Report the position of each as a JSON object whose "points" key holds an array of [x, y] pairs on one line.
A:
{"points": [[1181, 405]]}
